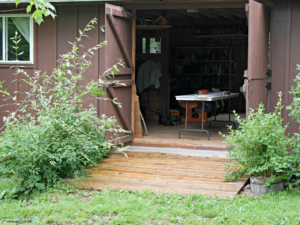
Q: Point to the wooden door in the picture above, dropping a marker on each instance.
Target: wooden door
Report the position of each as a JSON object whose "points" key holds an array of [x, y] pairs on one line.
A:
{"points": [[258, 59], [118, 33]]}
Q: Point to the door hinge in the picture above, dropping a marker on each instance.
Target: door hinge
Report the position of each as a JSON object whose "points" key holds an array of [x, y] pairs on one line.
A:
{"points": [[269, 86], [271, 14], [269, 73]]}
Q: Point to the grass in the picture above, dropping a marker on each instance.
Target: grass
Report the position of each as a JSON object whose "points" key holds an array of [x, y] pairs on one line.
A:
{"points": [[68, 205]]}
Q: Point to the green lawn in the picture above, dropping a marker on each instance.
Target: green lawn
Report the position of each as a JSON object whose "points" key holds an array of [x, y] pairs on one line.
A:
{"points": [[66, 205]]}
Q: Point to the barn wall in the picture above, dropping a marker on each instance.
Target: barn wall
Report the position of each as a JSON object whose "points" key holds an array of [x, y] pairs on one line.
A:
{"points": [[285, 54], [51, 40]]}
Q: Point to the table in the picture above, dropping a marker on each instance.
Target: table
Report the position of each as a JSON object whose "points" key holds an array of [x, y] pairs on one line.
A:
{"points": [[204, 98]]}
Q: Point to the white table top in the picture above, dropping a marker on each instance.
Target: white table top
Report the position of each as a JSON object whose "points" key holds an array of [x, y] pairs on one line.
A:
{"points": [[209, 97]]}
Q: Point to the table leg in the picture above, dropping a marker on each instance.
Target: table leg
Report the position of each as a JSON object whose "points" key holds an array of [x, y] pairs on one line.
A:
{"points": [[222, 121], [202, 123]]}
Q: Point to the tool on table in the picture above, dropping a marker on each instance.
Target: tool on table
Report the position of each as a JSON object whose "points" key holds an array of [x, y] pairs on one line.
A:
{"points": [[202, 91]]}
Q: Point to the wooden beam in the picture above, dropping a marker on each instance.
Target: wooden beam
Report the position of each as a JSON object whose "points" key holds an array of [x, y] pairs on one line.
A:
{"points": [[165, 80], [133, 50], [193, 14], [166, 6], [212, 22], [181, 16], [210, 15], [240, 14], [117, 34], [224, 14], [111, 92], [247, 10], [122, 71], [122, 83]]}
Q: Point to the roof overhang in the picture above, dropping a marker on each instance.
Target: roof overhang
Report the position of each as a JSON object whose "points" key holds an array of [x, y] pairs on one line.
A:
{"points": [[162, 4]]}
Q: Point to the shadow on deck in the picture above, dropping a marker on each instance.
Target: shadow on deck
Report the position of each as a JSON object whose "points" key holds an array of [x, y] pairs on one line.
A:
{"points": [[162, 172]]}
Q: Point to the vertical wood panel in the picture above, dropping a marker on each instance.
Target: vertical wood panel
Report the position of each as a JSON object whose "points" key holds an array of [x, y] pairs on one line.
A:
{"points": [[259, 27], [133, 75], [66, 28], [278, 52], [256, 92], [85, 14], [101, 56], [47, 37], [285, 54], [7, 75], [287, 58], [294, 60]]}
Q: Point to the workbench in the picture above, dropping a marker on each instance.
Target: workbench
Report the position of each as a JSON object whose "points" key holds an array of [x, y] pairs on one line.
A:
{"points": [[205, 98]]}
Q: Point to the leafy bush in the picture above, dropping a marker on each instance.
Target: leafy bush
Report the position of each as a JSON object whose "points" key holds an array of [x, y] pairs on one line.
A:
{"points": [[294, 167], [51, 136], [260, 146]]}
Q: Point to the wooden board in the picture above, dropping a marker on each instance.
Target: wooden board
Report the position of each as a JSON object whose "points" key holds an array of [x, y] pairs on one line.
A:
{"points": [[138, 130], [162, 173], [118, 33]]}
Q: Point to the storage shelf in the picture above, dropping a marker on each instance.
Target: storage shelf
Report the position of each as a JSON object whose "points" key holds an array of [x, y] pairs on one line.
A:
{"points": [[206, 60], [152, 27], [227, 61], [200, 74], [221, 36], [207, 47]]}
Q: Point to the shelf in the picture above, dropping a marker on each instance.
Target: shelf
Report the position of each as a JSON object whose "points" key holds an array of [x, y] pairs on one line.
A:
{"points": [[206, 47], [217, 61], [180, 60], [206, 60], [217, 47], [152, 27], [200, 74], [221, 36]]}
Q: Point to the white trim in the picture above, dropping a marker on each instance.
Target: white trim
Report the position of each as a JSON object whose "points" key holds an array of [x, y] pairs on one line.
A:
{"points": [[31, 44], [3, 37]]}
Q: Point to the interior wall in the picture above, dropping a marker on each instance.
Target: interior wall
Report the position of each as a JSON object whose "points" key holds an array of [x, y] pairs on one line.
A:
{"points": [[285, 54]]}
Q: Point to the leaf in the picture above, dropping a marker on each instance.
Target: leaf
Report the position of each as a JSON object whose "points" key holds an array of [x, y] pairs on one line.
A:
{"points": [[28, 9]]}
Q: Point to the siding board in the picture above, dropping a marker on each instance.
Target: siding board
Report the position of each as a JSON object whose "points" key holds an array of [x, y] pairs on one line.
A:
{"points": [[85, 14]]}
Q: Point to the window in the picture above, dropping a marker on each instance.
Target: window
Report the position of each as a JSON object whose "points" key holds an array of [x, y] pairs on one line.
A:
{"points": [[151, 45], [9, 25], [155, 46], [144, 43]]}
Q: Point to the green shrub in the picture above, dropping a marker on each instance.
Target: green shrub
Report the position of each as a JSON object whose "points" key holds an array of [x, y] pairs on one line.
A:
{"points": [[260, 146], [294, 167], [51, 136]]}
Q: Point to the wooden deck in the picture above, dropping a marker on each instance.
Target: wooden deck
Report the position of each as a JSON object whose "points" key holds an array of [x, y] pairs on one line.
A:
{"points": [[162, 172]]}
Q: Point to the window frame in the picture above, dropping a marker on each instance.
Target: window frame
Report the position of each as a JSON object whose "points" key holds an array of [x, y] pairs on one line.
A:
{"points": [[31, 44]]}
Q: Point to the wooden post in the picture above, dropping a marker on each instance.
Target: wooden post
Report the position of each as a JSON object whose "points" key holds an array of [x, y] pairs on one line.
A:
{"points": [[164, 81], [133, 62]]}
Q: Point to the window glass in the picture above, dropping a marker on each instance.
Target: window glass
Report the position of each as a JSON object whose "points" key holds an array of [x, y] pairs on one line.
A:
{"points": [[155, 46], [144, 45], [21, 25], [1, 37]]}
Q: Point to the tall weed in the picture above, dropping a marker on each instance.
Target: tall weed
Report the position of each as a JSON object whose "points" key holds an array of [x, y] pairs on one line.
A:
{"points": [[51, 135]]}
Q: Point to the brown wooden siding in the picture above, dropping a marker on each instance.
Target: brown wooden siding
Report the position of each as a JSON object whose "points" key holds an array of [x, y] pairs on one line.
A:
{"points": [[52, 36], [285, 54], [51, 40]]}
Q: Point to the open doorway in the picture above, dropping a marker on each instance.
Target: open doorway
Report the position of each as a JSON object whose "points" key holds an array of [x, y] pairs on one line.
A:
{"points": [[190, 50]]}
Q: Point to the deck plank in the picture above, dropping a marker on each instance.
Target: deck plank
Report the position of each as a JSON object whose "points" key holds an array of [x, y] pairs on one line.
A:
{"points": [[162, 172]]}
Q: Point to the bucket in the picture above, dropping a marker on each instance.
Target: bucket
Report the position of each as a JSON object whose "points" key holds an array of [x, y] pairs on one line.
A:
{"points": [[257, 187]]}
